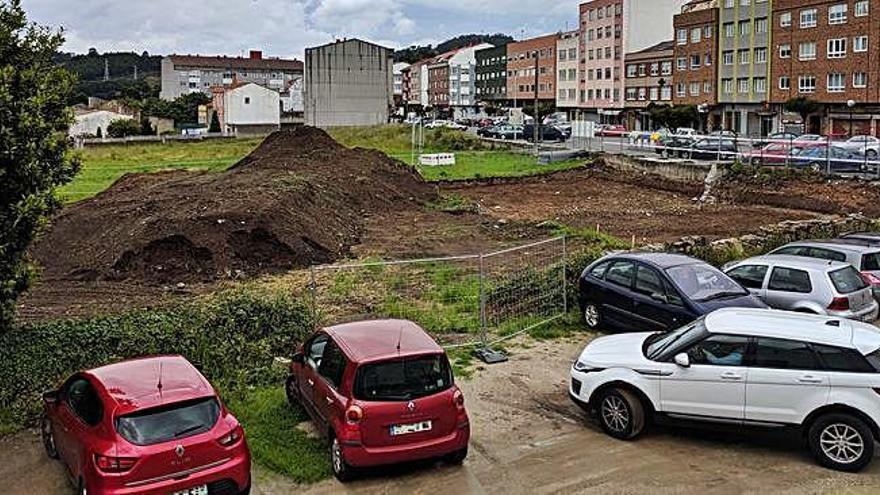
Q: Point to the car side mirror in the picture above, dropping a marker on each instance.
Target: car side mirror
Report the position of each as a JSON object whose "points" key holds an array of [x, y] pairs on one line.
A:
{"points": [[50, 397], [299, 358], [683, 360], [660, 297]]}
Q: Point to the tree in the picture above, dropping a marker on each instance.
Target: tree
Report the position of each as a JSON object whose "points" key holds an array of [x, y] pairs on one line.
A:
{"points": [[545, 108], [35, 150], [215, 123], [802, 106], [147, 128], [675, 116], [120, 128]]}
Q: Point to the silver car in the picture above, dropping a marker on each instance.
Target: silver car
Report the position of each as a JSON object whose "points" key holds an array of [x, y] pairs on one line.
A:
{"points": [[863, 255], [808, 285]]}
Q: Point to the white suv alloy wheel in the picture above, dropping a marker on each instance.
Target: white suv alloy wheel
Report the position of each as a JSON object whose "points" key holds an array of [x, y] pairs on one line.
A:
{"points": [[841, 443], [615, 413]]}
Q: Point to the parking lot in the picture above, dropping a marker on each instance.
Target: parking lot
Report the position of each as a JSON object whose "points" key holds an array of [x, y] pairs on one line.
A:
{"points": [[527, 437]]}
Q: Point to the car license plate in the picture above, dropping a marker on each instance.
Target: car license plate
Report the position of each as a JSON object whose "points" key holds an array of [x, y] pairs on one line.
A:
{"points": [[196, 490], [410, 428]]}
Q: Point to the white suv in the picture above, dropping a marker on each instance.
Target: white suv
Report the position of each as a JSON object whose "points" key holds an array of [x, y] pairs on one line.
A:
{"points": [[743, 366]]}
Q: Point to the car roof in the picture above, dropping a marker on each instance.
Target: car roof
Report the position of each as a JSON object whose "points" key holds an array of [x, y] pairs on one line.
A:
{"points": [[660, 260], [376, 340], [862, 235], [134, 384], [794, 326], [856, 245], [802, 262]]}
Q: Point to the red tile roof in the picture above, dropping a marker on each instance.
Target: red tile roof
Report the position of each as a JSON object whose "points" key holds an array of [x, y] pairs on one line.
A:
{"points": [[221, 62]]}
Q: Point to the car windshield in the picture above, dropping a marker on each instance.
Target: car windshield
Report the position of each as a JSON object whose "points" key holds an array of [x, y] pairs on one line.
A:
{"points": [[658, 344], [847, 280], [169, 422], [701, 282], [403, 379]]}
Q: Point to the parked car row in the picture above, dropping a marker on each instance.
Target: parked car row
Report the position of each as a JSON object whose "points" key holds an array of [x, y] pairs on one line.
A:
{"points": [[707, 348]]}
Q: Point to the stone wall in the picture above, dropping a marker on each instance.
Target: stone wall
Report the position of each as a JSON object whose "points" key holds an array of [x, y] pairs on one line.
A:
{"points": [[675, 170]]}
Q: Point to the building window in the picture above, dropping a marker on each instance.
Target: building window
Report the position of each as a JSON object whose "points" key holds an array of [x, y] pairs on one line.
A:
{"points": [[860, 80], [808, 18], [666, 68], [247, 100], [860, 44], [695, 62], [784, 82], [696, 33], [682, 63], [837, 48], [682, 36], [761, 25], [836, 83], [695, 89], [727, 58], [785, 19], [837, 14], [745, 28], [785, 51], [729, 30], [708, 31], [707, 87], [743, 84], [680, 90], [807, 84], [760, 55], [760, 85], [727, 86], [807, 51], [744, 56], [861, 8]]}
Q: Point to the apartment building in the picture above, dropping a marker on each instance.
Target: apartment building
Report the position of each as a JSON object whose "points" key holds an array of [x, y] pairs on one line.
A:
{"points": [[185, 74], [608, 30], [567, 65], [744, 66], [648, 80], [399, 71], [827, 51], [491, 74], [463, 79], [695, 71], [525, 60], [418, 83], [348, 83], [438, 85]]}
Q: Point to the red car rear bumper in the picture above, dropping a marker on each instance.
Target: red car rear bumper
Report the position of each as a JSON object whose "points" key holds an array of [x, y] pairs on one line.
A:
{"points": [[236, 470], [361, 456]]}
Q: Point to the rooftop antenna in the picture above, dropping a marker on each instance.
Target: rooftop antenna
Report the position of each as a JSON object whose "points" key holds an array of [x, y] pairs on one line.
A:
{"points": [[399, 338], [159, 385]]}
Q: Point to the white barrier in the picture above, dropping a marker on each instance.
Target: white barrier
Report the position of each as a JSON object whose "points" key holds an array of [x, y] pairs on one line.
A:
{"points": [[437, 159]]}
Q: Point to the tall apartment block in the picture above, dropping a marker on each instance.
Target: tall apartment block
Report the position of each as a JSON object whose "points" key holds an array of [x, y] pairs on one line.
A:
{"points": [[827, 51], [608, 30], [567, 65], [648, 81], [491, 72], [744, 68], [695, 75], [526, 58]]}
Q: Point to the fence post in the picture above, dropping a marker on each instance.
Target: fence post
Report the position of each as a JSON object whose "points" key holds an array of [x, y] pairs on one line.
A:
{"points": [[313, 290], [483, 337], [564, 277]]}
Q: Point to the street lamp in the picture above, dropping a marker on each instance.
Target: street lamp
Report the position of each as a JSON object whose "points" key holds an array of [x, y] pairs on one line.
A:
{"points": [[850, 104]]}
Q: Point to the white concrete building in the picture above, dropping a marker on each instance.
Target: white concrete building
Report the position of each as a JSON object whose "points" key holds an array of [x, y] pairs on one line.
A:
{"points": [[398, 69], [247, 109], [567, 64], [185, 74], [88, 122], [462, 81], [348, 83]]}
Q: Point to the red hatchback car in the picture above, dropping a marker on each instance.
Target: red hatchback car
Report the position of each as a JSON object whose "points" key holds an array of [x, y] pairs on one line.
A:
{"points": [[382, 392], [146, 426]]}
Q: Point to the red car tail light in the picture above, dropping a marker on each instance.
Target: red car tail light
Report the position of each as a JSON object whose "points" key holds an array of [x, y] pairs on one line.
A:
{"points": [[354, 414], [109, 464], [458, 399], [870, 278], [839, 304], [231, 438]]}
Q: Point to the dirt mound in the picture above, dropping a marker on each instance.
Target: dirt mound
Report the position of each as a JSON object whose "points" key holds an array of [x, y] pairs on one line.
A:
{"points": [[299, 198]]}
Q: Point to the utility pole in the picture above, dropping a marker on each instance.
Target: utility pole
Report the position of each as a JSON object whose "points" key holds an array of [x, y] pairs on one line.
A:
{"points": [[535, 111], [106, 70]]}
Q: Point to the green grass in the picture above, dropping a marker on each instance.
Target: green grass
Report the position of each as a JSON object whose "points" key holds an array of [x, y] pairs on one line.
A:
{"points": [[275, 441], [103, 165]]}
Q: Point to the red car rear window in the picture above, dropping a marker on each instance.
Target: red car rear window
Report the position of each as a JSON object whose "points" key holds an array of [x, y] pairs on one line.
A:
{"points": [[403, 379], [170, 422]]}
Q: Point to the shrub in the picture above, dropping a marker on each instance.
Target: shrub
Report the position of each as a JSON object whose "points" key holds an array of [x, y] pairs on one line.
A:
{"points": [[120, 128], [233, 338], [446, 139]]}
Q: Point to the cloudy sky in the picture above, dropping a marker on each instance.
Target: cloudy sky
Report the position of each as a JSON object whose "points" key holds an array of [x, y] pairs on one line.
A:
{"points": [[286, 27]]}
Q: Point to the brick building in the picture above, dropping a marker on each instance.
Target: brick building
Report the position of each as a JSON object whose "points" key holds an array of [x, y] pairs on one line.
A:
{"points": [[695, 71], [522, 59], [438, 84], [648, 80], [827, 51]]}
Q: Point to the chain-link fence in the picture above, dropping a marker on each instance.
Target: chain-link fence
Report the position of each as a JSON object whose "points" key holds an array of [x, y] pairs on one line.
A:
{"points": [[470, 300]]}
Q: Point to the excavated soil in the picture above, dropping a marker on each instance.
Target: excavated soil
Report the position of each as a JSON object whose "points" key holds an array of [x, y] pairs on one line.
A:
{"points": [[300, 198]]}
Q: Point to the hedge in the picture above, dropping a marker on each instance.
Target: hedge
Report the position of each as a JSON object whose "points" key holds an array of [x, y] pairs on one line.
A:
{"points": [[233, 338]]}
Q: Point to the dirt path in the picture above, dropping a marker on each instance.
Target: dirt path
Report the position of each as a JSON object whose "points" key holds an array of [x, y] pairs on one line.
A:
{"points": [[528, 438]]}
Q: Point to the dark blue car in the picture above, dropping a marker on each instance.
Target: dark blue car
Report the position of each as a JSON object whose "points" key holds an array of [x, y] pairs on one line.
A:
{"points": [[655, 291]]}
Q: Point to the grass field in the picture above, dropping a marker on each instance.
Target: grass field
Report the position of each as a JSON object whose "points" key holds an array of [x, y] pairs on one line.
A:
{"points": [[103, 165]]}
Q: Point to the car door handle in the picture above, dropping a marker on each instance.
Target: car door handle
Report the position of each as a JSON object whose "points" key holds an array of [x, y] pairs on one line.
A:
{"points": [[310, 382], [810, 379], [730, 375]]}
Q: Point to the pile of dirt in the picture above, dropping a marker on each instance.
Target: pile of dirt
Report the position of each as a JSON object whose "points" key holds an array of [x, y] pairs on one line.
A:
{"points": [[299, 198]]}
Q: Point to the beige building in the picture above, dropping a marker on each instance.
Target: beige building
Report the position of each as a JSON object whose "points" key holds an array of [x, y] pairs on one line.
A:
{"points": [[567, 63]]}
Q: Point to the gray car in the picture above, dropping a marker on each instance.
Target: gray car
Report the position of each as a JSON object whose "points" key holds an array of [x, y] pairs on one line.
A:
{"points": [[807, 285], [863, 255]]}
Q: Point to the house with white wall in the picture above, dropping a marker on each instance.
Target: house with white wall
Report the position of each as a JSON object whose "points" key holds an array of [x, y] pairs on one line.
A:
{"points": [[247, 109]]}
